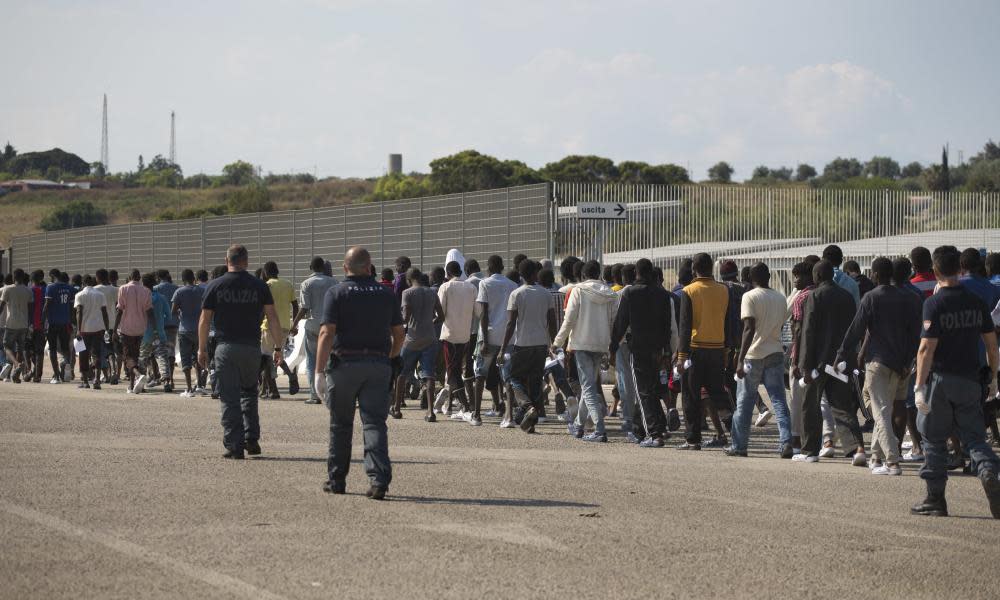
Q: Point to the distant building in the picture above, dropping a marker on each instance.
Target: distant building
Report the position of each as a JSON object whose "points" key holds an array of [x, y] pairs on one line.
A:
{"points": [[395, 164], [27, 185]]}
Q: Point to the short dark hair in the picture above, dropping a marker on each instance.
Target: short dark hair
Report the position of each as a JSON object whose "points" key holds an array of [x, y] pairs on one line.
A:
{"points": [[149, 280], [804, 271], [317, 264], [237, 253], [616, 273], [566, 267], [644, 269], [993, 264], [971, 261], [630, 274], [902, 269], [387, 273], [63, 276], [882, 270], [113, 275], [685, 276], [947, 260], [437, 275], [578, 270], [453, 269], [833, 254], [38, 276], [187, 276], [607, 274], [163, 275], [494, 264], [218, 271], [413, 274], [760, 274], [403, 263], [271, 269], [514, 276], [745, 274], [518, 259], [921, 259], [528, 269], [812, 259], [546, 277], [102, 276], [702, 264], [852, 266], [88, 280], [202, 275], [591, 269], [823, 271], [472, 266], [658, 275]]}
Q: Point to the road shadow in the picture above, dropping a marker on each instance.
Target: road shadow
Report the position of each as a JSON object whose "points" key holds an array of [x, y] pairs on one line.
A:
{"points": [[356, 461], [516, 502]]}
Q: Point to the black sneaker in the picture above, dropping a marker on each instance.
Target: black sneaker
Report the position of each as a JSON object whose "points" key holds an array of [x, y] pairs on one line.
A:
{"points": [[233, 454], [313, 401], [730, 451], [689, 446], [16, 376], [991, 485], [787, 451], [717, 442], [293, 386], [84, 386], [673, 420], [376, 493], [931, 507], [97, 385], [253, 447], [430, 418], [335, 487], [529, 420], [168, 388]]}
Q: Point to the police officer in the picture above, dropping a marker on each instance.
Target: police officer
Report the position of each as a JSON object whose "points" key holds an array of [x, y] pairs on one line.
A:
{"points": [[237, 302], [359, 317]]}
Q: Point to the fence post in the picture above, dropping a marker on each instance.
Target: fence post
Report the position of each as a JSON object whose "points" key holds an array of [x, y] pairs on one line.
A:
{"points": [[885, 221], [381, 232], [129, 248], [507, 199], [421, 221], [770, 230], [462, 247], [982, 216], [550, 204], [203, 261], [312, 232]]}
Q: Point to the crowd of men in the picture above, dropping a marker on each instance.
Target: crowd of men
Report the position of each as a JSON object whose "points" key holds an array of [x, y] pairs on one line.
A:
{"points": [[912, 349]]}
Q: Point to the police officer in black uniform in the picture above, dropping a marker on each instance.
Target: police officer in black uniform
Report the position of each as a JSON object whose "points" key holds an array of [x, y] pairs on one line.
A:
{"points": [[360, 317]]}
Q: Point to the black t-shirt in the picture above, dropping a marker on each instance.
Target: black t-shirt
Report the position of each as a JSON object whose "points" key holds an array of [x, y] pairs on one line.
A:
{"points": [[957, 318], [363, 311], [238, 299]]}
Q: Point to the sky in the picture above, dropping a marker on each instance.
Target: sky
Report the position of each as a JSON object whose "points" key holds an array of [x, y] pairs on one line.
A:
{"points": [[334, 86]]}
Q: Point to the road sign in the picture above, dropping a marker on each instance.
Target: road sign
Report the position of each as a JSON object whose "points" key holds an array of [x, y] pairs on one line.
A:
{"points": [[601, 211]]}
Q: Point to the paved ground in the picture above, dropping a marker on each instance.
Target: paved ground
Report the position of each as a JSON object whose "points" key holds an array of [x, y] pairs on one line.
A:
{"points": [[110, 496]]}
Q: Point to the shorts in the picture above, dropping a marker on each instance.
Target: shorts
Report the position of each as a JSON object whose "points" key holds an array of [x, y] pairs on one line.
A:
{"points": [[486, 364], [58, 337], [15, 340], [454, 361], [130, 349], [188, 342], [267, 345], [427, 357]]}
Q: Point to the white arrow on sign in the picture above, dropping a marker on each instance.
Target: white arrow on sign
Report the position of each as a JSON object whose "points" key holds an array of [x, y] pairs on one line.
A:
{"points": [[602, 211]]}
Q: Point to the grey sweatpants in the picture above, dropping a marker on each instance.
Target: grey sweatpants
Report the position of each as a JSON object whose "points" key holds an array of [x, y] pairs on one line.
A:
{"points": [[365, 384], [236, 367]]}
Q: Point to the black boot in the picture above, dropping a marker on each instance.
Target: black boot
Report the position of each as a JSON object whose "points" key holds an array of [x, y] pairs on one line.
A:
{"points": [[991, 485], [934, 505]]}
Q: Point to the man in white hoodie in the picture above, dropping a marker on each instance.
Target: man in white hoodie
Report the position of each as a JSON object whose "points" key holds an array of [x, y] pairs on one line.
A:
{"points": [[586, 328]]}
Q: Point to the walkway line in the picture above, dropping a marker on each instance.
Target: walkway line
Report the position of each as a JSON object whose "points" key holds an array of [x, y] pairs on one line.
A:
{"points": [[226, 583]]}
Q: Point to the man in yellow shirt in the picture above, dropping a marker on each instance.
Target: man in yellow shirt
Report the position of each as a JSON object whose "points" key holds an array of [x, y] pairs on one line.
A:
{"points": [[286, 305]]}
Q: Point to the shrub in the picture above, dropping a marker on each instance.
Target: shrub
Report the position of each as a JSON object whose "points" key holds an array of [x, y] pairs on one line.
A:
{"points": [[78, 213]]}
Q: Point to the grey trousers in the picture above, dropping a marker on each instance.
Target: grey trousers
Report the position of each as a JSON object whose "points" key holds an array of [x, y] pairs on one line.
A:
{"points": [[236, 367], [365, 384]]}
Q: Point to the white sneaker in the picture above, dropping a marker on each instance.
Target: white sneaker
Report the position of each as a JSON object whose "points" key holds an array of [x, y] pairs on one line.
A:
{"points": [[826, 452], [439, 401], [907, 443], [458, 416], [491, 413], [563, 417], [505, 424], [911, 457], [187, 394], [5, 372], [860, 460], [200, 391], [140, 385], [475, 422], [763, 419], [129, 391], [887, 470], [805, 458], [55, 381]]}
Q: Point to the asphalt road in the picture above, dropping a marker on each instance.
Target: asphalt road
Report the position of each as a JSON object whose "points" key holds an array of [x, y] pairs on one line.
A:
{"points": [[105, 495]]}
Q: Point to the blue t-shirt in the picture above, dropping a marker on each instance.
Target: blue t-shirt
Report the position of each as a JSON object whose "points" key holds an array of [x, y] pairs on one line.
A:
{"points": [[60, 296], [957, 319], [188, 300], [167, 290], [363, 311], [238, 300]]}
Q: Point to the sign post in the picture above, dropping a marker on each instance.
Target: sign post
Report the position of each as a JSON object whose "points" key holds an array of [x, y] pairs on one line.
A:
{"points": [[601, 211]]}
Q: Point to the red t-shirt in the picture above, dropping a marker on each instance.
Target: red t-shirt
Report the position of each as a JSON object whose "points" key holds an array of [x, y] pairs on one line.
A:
{"points": [[925, 282]]}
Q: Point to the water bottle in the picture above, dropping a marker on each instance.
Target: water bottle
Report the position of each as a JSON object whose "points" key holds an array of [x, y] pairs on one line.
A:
{"points": [[664, 378]]}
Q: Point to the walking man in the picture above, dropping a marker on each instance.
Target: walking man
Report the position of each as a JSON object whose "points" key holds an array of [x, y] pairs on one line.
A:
{"points": [[186, 305], [421, 312], [135, 308], [92, 321], [353, 353], [493, 297], [948, 392], [237, 302], [16, 299], [311, 296], [168, 346], [761, 359], [458, 301]]}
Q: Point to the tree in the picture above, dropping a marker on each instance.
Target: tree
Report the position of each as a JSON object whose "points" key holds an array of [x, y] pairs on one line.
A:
{"points": [[469, 171], [941, 180], [883, 167], [198, 181], [720, 172], [841, 169], [805, 172], [584, 169], [97, 170], [8, 155], [238, 173], [160, 172], [644, 173], [914, 169], [984, 176], [40, 162], [396, 186], [250, 199], [78, 213], [761, 172], [991, 151], [141, 166]]}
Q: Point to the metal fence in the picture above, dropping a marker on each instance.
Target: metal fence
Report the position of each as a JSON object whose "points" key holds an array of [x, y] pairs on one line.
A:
{"points": [[779, 226], [505, 222]]}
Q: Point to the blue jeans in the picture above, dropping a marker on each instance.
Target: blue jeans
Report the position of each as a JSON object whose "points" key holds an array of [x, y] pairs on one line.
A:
{"points": [[427, 357], [769, 371], [955, 407], [627, 393], [588, 367]]}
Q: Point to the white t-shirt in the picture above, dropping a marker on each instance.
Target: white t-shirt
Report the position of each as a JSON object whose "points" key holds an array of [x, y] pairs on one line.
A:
{"points": [[495, 290], [767, 307], [458, 299], [532, 303], [111, 297], [92, 301]]}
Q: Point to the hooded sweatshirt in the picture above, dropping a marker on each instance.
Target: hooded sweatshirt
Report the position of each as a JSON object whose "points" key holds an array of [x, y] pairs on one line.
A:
{"points": [[589, 318]]}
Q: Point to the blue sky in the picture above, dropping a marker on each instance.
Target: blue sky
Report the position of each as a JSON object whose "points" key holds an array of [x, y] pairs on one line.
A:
{"points": [[335, 85]]}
